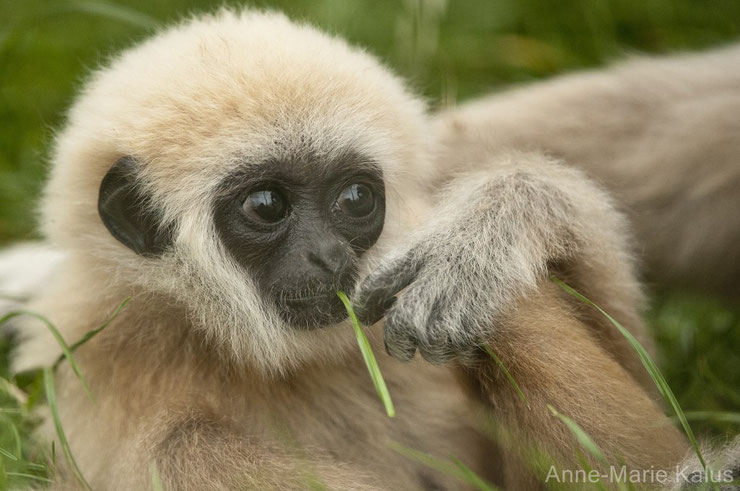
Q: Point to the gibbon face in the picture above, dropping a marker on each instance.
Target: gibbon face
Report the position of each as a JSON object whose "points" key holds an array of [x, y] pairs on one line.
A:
{"points": [[300, 233], [247, 167], [297, 232]]}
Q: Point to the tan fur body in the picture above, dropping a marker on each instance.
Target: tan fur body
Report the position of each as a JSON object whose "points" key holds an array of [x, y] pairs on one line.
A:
{"points": [[163, 397], [202, 380], [208, 428]]}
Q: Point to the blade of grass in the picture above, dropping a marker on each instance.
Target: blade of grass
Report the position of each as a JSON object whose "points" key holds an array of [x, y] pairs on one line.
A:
{"points": [[93, 332], [156, 480], [35, 391], [503, 368], [455, 469], [7, 454], [29, 476], [112, 11], [35, 466], [629, 486], [471, 476], [66, 349], [724, 417], [314, 484], [587, 468], [586, 442], [367, 354], [13, 391], [649, 365], [60, 339], [52, 400], [578, 432], [17, 440]]}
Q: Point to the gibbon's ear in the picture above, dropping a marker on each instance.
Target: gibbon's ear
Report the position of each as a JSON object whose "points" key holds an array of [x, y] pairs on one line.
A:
{"points": [[127, 211]]}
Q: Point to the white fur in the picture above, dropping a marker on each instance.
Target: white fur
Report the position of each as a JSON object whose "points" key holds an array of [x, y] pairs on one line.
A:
{"points": [[24, 268]]}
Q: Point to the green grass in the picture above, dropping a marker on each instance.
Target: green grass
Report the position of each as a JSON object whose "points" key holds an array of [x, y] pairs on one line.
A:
{"points": [[449, 50], [66, 351], [51, 400], [451, 467], [511, 380], [698, 341], [29, 461], [20, 396], [369, 357], [587, 443]]}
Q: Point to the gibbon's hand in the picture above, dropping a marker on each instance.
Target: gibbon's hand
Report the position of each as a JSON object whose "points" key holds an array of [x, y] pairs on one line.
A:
{"points": [[490, 241], [458, 274]]}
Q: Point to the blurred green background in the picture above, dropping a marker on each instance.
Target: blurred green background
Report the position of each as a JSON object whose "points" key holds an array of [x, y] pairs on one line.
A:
{"points": [[450, 50]]}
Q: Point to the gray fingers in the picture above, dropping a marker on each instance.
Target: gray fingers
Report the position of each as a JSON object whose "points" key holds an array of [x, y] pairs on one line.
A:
{"points": [[377, 293]]}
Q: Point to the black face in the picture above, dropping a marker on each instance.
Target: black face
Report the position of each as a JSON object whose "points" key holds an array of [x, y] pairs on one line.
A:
{"points": [[300, 227]]}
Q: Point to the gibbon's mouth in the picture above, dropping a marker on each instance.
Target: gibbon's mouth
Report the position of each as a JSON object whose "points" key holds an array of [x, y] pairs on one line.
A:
{"points": [[310, 309]]}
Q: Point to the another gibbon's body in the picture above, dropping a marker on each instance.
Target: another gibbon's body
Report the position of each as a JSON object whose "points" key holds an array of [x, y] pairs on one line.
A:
{"points": [[662, 134], [229, 175]]}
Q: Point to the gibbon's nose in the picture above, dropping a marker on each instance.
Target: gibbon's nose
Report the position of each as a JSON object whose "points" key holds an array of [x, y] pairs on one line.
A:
{"points": [[330, 255]]}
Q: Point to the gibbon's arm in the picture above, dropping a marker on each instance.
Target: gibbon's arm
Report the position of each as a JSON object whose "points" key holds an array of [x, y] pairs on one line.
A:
{"points": [[556, 361], [476, 274], [494, 236]]}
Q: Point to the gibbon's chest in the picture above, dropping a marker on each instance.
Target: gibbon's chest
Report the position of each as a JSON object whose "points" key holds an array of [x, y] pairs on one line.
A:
{"points": [[338, 415]]}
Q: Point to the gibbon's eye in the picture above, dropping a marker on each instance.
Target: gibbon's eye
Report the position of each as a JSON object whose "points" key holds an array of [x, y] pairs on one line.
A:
{"points": [[356, 200], [266, 205]]}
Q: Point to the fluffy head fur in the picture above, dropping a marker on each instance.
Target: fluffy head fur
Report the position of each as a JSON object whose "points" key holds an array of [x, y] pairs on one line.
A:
{"points": [[192, 105]]}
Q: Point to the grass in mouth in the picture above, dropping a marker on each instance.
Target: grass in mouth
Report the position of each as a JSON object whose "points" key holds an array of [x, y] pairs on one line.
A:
{"points": [[367, 354]]}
